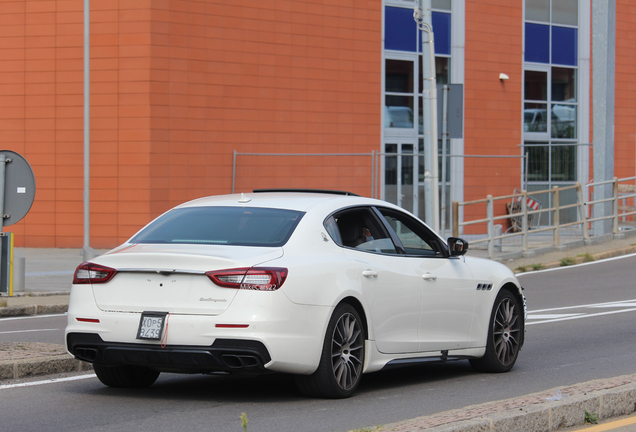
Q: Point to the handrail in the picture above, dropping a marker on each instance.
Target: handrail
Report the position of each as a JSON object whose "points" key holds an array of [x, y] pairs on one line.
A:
{"points": [[524, 214], [618, 211]]}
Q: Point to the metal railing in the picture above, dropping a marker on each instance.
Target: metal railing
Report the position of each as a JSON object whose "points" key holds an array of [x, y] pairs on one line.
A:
{"points": [[524, 215], [616, 196], [583, 222]]}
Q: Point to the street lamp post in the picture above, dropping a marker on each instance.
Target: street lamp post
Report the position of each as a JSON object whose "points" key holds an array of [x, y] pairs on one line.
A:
{"points": [[423, 17], [87, 252]]}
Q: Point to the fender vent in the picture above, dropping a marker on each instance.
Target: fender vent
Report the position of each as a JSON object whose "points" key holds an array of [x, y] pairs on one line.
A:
{"points": [[484, 287]]}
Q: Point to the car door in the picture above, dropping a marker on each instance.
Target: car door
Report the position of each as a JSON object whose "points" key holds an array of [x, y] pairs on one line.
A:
{"points": [[392, 292], [447, 285]]}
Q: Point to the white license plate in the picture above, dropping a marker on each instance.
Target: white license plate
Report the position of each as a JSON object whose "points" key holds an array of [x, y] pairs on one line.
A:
{"points": [[151, 325]]}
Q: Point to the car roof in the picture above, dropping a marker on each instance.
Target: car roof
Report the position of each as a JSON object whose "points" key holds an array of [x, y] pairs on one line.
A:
{"points": [[298, 201]]}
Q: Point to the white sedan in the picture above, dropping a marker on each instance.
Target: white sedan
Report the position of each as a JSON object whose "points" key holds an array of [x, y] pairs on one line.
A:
{"points": [[326, 286]]}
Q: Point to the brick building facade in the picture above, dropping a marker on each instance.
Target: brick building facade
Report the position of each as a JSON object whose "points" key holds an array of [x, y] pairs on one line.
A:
{"points": [[179, 86]]}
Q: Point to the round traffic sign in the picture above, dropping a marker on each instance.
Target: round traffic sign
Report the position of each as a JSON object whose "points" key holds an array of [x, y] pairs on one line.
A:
{"points": [[19, 187]]}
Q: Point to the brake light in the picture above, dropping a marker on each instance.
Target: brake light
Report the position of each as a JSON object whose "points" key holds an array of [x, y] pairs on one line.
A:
{"points": [[254, 278], [89, 273]]}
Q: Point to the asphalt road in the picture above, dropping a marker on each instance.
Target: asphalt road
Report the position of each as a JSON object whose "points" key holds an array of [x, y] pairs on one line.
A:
{"points": [[39, 328], [581, 326]]}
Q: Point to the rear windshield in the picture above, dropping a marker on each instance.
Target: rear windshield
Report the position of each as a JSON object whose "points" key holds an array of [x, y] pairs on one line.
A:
{"points": [[223, 226]]}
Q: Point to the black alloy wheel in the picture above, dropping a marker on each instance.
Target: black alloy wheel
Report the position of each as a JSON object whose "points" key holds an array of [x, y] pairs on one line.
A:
{"points": [[342, 360], [505, 335]]}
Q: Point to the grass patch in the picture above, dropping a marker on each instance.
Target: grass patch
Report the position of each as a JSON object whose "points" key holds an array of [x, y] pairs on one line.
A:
{"points": [[567, 261], [591, 418], [3, 302], [536, 267], [244, 421], [587, 257], [521, 269]]}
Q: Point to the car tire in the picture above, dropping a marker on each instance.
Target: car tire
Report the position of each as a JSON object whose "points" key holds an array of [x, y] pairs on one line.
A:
{"points": [[125, 376], [505, 335], [342, 359]]}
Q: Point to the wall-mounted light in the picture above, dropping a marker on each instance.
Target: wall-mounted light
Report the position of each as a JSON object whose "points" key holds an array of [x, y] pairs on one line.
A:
{"points": [[503, 76]]}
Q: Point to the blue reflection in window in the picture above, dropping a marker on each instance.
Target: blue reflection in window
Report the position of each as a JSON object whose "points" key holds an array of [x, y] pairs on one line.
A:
{"points": [[400, 30], [442, 30], [564, 45], [442, 33], [537, 45]]}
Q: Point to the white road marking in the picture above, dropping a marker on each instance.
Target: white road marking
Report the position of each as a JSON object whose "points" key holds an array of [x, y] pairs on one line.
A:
{"points": [[540, 317], [31, 317], [51, 381], [620, 303], [27, 331], [532, 315], [576, 265]]}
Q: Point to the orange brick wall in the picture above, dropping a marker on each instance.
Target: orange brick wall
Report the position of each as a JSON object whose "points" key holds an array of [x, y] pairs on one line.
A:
{"points": [[176, 87], [625, 96], [492, 108], [270, 77]]}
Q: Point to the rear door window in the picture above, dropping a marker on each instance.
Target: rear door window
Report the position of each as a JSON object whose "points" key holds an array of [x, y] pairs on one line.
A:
{"points": [[360, 229]]}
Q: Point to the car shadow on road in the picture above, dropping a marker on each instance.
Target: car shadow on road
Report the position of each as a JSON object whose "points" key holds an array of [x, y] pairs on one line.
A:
{"points": [[278, 388], [399, 378]]}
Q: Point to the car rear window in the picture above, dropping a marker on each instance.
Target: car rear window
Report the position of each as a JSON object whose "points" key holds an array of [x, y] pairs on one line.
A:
{"points": [[223, 226]]}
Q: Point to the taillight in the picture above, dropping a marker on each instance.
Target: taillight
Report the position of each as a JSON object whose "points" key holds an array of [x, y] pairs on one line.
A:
{"points": [[255, 278], [89, 273]]}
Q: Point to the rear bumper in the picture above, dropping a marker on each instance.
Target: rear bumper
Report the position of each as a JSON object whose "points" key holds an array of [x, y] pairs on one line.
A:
{"points": [[224, 355], [292, 334]]}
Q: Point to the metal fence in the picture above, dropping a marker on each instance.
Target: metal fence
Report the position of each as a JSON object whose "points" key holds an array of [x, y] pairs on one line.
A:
{"points": [[579, 229], [338, 171]]}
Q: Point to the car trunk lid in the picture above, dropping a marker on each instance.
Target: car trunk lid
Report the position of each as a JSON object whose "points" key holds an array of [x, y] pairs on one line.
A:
{"points": [[172, 279]]}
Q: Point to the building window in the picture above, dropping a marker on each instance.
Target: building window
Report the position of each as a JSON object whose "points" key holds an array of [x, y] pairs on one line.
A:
{"points": [[398, 94], [551, 32], [403, 97], [550, 107]]}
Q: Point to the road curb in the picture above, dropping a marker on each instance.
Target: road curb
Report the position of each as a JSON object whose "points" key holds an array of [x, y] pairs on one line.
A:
{"points": [[26, 368], [597, 257], [15, 311], [606, 398]]}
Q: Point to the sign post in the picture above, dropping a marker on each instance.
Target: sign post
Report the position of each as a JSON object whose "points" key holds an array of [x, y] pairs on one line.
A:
{"points": [[17, 192]]}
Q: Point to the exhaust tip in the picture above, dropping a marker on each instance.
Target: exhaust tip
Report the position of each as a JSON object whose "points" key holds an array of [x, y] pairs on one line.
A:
{"points": [[239, 362], [86, 354]]}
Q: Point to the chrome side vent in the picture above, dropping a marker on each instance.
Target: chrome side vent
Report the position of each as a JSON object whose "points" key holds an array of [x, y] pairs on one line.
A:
{"points": [[484, 287]]}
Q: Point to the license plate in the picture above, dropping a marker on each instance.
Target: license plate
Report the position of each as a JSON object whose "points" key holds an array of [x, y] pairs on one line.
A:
{"points": [[151, 325]]}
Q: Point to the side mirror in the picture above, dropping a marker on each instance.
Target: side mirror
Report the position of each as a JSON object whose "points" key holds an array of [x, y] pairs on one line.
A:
{"points": [[457, 246]]}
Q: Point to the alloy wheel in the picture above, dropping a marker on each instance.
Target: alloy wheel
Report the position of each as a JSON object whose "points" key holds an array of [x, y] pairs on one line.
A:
{"points": [[506, 331], [346, 351]]}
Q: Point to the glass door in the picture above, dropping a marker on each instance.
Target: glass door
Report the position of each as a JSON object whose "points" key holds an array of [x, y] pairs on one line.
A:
{"points": [[400, 173]]}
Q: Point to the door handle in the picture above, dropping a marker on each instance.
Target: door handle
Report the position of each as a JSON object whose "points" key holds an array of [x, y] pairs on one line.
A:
{"points": [[429, 277], [369, 274]]}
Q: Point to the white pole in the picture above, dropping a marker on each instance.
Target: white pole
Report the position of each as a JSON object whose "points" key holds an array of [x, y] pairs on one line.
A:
{"points": [[87, 165], [445, 90], [423, 17]]}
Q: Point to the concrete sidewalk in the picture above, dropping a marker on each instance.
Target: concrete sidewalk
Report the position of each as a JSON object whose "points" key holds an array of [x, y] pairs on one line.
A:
{"points": [[48, 279]]}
